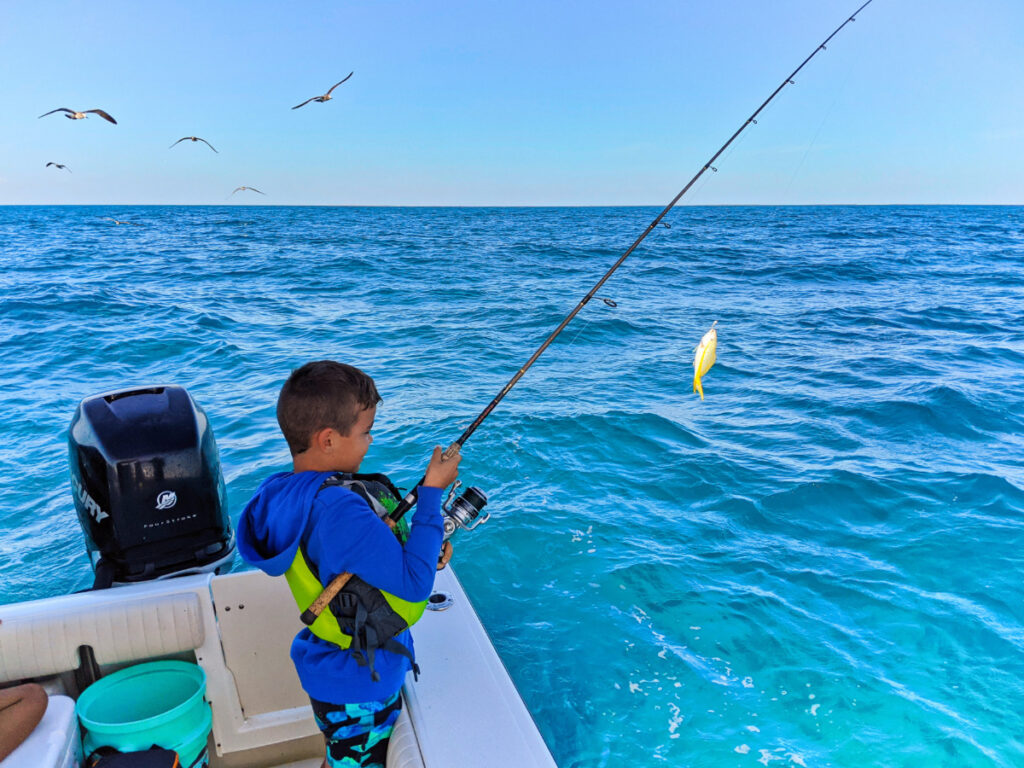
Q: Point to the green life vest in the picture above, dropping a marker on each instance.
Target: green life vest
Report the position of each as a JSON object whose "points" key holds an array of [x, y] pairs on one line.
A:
{"points": [[360, 618]]}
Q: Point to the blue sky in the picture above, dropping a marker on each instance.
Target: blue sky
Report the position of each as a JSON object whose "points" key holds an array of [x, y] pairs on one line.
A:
{"points": [[526, 103]]}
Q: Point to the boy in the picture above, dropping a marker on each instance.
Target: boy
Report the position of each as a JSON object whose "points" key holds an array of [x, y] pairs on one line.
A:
{"points": [[312, 524]]}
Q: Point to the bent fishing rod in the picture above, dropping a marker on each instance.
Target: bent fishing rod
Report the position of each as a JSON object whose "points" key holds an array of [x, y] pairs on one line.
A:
{"points": [[410, 499], [461, 515]]}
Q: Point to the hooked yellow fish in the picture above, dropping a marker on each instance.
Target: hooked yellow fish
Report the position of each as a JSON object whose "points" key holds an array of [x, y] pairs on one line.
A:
{"points": [[704, 357]]}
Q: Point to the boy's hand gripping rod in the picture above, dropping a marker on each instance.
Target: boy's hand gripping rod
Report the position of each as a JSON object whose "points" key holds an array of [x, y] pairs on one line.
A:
{"points": [[407, 503]]}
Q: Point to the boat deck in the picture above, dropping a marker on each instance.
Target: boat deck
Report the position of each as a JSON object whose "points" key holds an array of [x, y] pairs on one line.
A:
{"points": [[464, 711]]}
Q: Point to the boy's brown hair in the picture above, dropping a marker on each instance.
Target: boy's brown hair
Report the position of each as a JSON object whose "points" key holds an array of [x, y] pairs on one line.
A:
{"points": [[319, 395]]}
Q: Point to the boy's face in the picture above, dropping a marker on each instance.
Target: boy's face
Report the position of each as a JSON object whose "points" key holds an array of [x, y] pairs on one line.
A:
{"points": [[331, 451], [351, 448]]}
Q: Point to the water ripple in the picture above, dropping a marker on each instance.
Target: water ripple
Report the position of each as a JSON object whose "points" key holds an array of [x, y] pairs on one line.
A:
{"points": [[817, 565]]}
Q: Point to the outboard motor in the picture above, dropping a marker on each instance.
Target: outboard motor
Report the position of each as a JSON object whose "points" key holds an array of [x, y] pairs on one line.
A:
{"points": [[147, 484]]}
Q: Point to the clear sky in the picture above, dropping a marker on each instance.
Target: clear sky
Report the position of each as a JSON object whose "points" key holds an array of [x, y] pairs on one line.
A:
{"points": [[534, 102]]}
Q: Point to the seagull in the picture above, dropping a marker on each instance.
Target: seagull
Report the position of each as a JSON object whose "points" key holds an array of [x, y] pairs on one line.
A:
{"points": [[251, 189], [193, 138], [58, 165], [107, 218], [72, 115], [326, 96]]}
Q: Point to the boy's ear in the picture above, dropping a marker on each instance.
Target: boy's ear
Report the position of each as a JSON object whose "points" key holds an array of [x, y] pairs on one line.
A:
{"points": [[324, 440]]}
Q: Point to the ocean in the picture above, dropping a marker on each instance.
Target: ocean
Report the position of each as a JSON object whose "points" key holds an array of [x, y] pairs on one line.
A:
{"points": [[818, 565]]}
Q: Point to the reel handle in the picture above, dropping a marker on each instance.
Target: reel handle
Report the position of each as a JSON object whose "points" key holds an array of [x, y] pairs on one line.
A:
{"points": [[478, 522]]}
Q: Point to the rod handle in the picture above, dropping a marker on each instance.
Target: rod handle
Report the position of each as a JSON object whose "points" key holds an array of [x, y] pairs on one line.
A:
{"points": [[337, 584], [312, 613]]}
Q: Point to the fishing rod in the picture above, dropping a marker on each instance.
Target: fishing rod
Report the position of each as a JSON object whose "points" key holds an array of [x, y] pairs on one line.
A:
{"points": [[410, 499], [466, 508]]}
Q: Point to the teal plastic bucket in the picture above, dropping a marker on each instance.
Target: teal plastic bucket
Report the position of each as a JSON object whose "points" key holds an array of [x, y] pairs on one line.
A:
{"points": [[160, 702]]}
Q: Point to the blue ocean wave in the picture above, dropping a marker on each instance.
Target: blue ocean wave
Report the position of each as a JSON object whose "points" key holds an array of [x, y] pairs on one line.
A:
{"points": [[828, 544]]}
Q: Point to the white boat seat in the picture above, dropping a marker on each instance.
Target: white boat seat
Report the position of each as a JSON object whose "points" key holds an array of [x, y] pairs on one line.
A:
{"points": [[157, 619], [41, 638]]}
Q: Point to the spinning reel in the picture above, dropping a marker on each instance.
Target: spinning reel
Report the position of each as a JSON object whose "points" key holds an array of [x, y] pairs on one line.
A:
{"points": [[464, 511]]}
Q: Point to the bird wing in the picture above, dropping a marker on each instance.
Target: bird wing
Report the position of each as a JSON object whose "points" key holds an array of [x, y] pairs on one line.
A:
{"points": [[209, 145], [340, 82], [237, 189], [58, 109], [49, 164], [256, 190], [183, 138], [304, 103], [102, 114]]}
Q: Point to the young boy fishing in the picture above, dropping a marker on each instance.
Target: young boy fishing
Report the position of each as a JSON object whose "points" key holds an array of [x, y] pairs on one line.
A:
{"points": [[322, 520]]}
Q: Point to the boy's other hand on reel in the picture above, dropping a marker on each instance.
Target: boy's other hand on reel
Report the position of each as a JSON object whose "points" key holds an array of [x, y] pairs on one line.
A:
{"points": [[441, 472], [445, 556]]}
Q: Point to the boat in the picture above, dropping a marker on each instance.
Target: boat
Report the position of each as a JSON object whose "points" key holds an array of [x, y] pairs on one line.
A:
{"points": [[463, 711]]}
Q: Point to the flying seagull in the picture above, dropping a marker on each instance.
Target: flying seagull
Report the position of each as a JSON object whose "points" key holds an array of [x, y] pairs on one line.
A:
{"points": [[326, 96], [72, 115], [107, 218], [58, 165], [251, 189], [193, 138]]}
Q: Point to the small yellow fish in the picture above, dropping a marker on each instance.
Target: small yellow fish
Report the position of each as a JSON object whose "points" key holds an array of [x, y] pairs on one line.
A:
{"points": [[704, 357]]}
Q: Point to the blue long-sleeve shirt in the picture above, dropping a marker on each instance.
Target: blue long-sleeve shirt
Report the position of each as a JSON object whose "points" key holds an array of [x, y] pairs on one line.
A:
{"points": [[345, 535]]}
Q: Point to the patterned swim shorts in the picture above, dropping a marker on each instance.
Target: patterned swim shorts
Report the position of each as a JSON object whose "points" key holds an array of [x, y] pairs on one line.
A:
{"points": [[357, 735]]}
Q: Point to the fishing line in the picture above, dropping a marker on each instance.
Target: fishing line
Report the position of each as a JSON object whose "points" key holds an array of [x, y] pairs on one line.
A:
{"points": [[814, 139], [733, 149], [581, 330], [699, 191], [409, 500], [728, 155], [590, 319]]}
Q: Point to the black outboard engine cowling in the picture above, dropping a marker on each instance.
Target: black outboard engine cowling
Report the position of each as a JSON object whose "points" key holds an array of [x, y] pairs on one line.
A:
{"points": [[148, 489]]}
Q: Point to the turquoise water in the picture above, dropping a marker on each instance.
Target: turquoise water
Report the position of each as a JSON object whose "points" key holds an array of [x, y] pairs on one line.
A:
{"points": [[818, 565]]}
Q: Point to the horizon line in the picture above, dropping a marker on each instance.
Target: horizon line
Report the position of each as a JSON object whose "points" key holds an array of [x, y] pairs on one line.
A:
{"points": [[511, 205]]}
